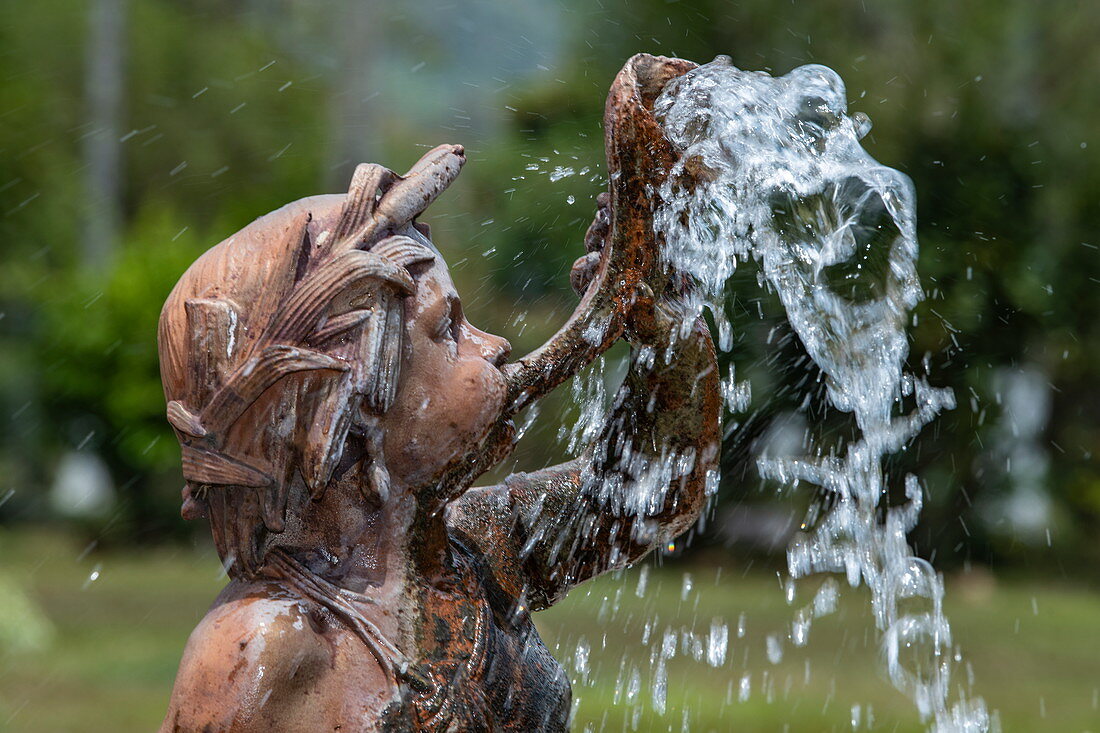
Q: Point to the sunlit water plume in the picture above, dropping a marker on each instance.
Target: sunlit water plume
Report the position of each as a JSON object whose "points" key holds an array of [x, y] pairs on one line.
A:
{"points": [[778, 178]]}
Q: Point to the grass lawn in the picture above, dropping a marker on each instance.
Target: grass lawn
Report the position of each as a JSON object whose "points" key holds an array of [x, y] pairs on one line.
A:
{"points": [[1033, 649]]}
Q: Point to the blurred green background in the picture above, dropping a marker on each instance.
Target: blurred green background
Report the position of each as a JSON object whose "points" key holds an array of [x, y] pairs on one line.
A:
{"points": [[134, 134]]}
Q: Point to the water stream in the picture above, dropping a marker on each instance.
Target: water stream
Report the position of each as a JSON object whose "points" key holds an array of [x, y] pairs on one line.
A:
{"points": [[781, 183]]}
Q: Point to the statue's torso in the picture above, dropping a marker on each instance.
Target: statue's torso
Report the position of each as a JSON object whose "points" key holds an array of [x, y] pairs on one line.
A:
{"points": [[478, 663], [488, 666]]}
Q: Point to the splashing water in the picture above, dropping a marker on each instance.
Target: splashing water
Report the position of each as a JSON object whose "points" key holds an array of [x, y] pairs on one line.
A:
{"points": [[772, 171]]}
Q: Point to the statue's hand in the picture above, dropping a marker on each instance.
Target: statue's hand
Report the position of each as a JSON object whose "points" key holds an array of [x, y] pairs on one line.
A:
{"points": [[651, 319], [657, 321], [584, 269]]}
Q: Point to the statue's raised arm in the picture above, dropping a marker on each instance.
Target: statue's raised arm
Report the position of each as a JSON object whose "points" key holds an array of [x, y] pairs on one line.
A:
{"points": [[643, 481]]}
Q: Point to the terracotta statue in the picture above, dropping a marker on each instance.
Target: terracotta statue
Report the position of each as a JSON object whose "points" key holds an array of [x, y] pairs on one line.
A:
{"points": [[333, 407]]}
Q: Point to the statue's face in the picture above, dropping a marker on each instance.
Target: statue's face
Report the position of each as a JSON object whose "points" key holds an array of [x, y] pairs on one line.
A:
{"points": [[451, 391]]}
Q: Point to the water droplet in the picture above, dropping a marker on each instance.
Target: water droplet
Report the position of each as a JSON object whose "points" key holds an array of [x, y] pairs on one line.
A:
{"points": [[660, 687], [93, 576], [685, 589], [774, 648], [717, 643]]}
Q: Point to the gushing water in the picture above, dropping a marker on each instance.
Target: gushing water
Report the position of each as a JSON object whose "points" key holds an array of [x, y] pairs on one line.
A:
{"points": [[772, 171]]}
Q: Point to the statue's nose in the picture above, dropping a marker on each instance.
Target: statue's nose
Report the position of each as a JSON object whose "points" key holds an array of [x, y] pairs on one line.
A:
{"points": [[493, 349]]}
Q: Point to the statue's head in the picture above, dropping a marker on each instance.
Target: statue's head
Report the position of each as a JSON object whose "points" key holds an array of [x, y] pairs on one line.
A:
{"points": [[324, 340]]}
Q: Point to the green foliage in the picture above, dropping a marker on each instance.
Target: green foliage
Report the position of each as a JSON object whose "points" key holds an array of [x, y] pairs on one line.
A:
{"points": [[230, 112], [211, 109], [100, 338]]}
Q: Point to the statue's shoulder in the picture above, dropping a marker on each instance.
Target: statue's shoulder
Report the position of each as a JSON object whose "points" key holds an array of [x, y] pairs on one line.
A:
{"points": [[257, 622], [251, 655]]}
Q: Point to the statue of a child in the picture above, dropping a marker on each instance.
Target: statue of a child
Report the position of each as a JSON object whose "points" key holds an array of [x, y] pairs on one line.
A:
{"points": [[334, 405]]}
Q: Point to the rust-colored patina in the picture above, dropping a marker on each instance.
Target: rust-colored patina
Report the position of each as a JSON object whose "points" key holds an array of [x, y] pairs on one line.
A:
{"points": [[333, 407]]}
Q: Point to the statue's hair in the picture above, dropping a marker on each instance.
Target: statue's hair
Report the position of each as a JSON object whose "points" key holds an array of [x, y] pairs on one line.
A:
{"points": [[284, 340]]}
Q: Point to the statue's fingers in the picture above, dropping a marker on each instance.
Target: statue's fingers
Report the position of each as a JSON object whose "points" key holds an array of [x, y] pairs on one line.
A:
{"points": [[584, 269], [596, 235]]}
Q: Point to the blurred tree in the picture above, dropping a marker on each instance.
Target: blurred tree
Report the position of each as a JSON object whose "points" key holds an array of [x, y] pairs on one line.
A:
{"points": [[103, 84]]}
